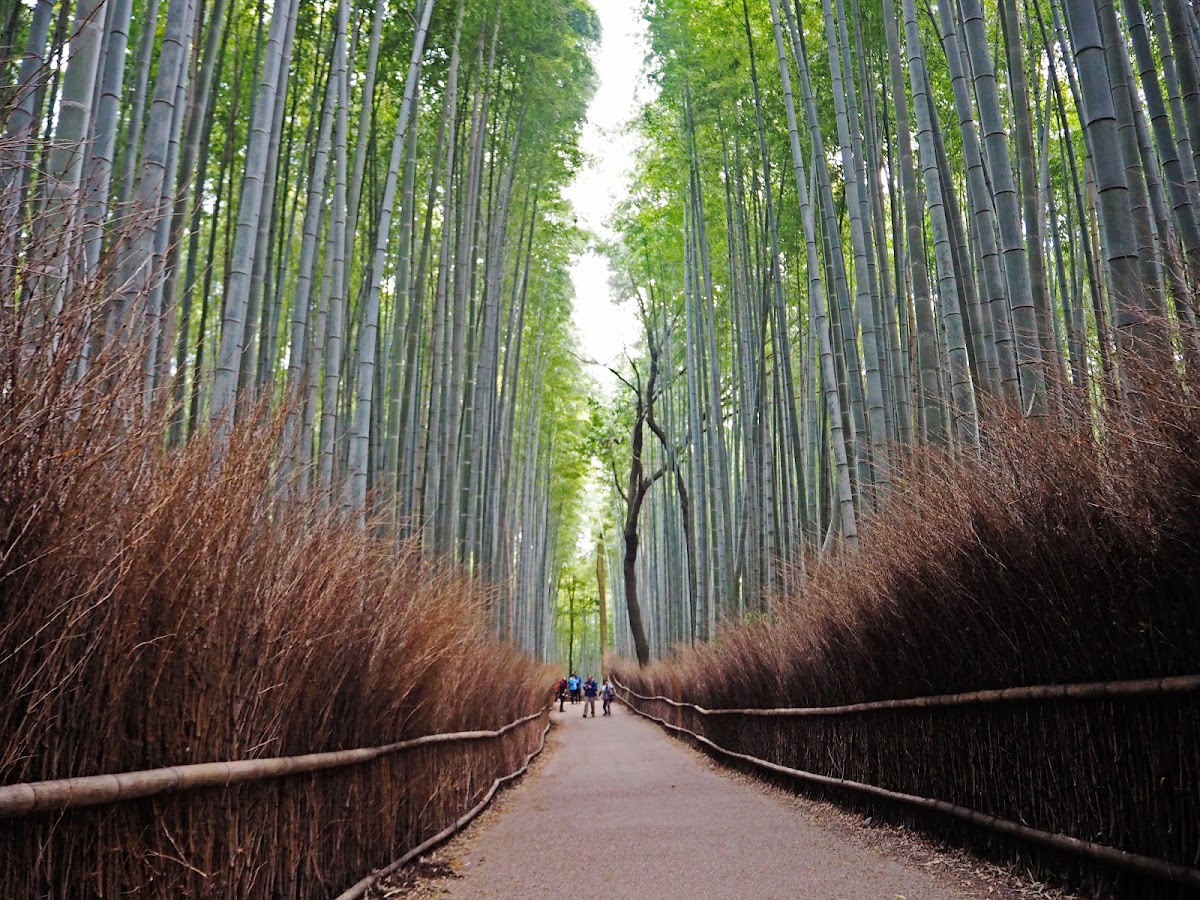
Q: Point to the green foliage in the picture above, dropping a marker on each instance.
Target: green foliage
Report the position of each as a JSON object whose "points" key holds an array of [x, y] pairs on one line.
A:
{"points": [[577, 615]]}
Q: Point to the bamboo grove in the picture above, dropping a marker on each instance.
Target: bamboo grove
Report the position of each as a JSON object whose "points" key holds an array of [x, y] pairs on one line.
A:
{"points": [[859, 234], [343, 215]]}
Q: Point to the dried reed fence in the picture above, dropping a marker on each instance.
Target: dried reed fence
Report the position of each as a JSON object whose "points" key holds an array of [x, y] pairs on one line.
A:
{"points": [[97, 790], [1067, 561], [360, 888], [160, 607], [689, 721]]}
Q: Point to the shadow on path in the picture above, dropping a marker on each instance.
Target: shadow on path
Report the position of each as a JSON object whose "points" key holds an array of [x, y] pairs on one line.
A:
{"points": [[621, 811]]}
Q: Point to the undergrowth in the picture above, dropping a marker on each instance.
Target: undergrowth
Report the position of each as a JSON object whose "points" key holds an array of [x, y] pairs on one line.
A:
{"points": [[159, 606], [1066, 554]]}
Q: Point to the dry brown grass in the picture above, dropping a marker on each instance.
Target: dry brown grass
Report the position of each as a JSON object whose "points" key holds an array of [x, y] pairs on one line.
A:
{"points": [[1059, 558], [159, 607]]}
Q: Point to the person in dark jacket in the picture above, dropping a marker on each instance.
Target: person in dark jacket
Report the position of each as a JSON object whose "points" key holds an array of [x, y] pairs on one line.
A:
{"points": [[590, 690]]}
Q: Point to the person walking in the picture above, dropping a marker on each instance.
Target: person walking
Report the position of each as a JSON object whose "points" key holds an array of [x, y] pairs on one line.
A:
{"points": [[590, 690], [560, 692], [607, 693], [573, 683]]}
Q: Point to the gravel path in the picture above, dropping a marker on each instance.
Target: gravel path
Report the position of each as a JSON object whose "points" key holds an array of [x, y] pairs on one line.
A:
{"points": [[648, 820]]}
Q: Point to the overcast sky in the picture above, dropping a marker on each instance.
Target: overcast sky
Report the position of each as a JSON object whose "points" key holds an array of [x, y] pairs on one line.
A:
{"points": [[605, 328]]}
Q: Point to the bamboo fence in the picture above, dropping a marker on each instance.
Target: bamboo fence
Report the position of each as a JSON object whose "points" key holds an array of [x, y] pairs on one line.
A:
{"points": [[94, 790], [1164, 870], [360, 888], [1092, 690]]}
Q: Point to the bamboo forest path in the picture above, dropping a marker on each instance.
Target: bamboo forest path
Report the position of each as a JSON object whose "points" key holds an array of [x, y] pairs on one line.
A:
{"points": [[644, 817]]}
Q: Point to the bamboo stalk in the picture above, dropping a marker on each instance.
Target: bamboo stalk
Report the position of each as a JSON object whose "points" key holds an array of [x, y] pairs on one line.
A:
{"points": [[359, 889], [1094, 690], [1146, 865], [93, 790]]}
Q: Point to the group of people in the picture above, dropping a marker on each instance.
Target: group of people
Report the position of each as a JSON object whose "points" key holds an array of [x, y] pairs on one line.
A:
{"points": [[577, 689]]}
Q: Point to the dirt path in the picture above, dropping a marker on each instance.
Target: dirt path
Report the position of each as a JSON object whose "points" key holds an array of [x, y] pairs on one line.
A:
{"points": [[650, 820]]}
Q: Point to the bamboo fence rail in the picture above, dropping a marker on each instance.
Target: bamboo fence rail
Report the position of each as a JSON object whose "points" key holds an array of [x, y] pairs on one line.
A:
{"points": [[359, 889], [1093, 690], [1168, 871], [94, 790]]}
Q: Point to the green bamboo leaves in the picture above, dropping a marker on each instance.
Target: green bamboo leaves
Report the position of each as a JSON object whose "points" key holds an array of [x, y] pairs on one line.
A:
{"points": [[983, 216]]}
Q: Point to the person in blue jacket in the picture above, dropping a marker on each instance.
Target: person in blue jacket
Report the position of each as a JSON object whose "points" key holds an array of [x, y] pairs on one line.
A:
{"points": [[573, 685]]}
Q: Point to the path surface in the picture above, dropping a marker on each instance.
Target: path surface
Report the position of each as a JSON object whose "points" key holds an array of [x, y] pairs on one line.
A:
{"points": [[657, 823]]}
